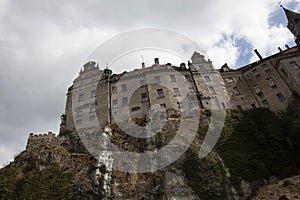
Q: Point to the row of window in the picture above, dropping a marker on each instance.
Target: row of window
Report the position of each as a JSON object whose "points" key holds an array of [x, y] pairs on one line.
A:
{"points": [[79, 121], [80, 109], [265, 102], [144, 96], [143, 83], [279, 96], [256, 88], [81, 96]]}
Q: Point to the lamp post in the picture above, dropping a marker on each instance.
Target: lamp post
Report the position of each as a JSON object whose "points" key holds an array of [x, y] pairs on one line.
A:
{"points": [[107, 74]]}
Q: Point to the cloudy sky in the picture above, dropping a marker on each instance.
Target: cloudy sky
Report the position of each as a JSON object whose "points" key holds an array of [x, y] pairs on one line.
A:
{"points": [[43, 44]]}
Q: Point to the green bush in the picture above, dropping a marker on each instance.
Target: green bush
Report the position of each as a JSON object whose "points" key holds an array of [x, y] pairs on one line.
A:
{"points": [[205, 176]]}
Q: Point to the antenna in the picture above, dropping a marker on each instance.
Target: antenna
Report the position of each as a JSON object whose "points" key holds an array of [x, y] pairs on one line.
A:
{"points": [[142, 58]]}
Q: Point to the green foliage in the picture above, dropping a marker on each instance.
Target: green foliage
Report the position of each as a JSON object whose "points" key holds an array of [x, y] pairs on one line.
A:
{"points": [[253, 146], [205, 175], [51, 183]]}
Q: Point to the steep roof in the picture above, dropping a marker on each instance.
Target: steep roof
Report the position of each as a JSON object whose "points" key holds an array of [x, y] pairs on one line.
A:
{"points": [[293, 23]]}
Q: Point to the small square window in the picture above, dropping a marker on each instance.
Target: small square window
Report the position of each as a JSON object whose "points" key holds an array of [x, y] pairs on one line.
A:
{"points": [[265, 67], [207, 78], [157, 79], [191, 90], [115, 103], [114, 89], [280, 97], [80, 97], [179, 104], [236, 91], [92, 118], [255, 72], [93, 93], [93, 108], [124, 87], [125, 101], [172, 78], [294, 65], [142, 83], [187, 78], [271, 82], [144, 97], [257, 90], [229, 79], [265, 103], [163, 106], [160, 93], [211, 90], [176, 92]]}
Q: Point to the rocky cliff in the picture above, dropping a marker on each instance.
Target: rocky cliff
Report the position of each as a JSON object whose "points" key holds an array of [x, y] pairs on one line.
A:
{"points": [[255, 149]]}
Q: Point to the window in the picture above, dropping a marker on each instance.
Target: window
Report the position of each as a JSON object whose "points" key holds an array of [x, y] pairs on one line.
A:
{"points": [[80, 97], [229, 79], [236, 91], [93, 93], [144, 97], [157, 79], [125, 101], [78, 121], [160, 93], [255, 72], [239, 107], [93, 108], [265, 67], [163, 106], [207, 78], [142, 83], [266, 103], [176, 92], [172, 78], [79, 111], [257, 90], [92, 118], [283, 71], [191, 90], [271, 82], [211, 90], [223, 105], [124, 87], [115, 103], [134, 109], [294, 65], [280, 97], [179, 104], [187, 78], [114, 89], [253, 105]]}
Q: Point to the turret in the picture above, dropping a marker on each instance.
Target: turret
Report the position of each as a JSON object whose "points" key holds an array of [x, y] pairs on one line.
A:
{"points": [[293, 23]]}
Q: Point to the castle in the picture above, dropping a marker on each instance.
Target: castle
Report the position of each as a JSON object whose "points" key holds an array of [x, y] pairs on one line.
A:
{"points": [[271, 82]]}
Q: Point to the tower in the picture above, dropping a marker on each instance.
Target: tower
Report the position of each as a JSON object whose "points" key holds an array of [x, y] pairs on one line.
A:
{"points": [[293, 23]]}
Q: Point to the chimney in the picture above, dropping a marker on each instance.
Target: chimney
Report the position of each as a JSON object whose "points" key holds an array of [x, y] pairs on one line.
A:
{"points": [[279, 49], [257, 53], [287, 46], [143, 65], [156, 60]]}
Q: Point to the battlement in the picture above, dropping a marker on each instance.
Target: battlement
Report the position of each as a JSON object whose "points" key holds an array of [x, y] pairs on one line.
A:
{"points": [[36, 140]]}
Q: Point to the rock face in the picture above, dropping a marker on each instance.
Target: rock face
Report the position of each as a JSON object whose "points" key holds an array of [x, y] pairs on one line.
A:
{"points": [[95, 181], [283, 190]]}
